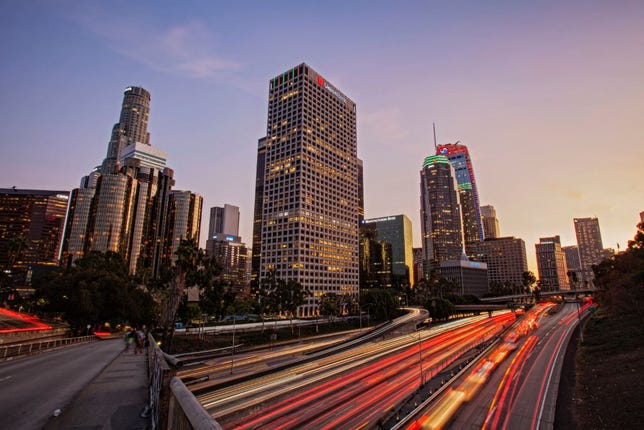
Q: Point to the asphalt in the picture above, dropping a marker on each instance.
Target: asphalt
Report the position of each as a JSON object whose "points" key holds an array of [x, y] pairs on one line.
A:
{"points": [[116, 399]]}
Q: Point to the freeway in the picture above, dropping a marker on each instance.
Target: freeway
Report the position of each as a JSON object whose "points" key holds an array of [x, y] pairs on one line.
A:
{"points": [[350, 389], [516, 384], [33, 387]]}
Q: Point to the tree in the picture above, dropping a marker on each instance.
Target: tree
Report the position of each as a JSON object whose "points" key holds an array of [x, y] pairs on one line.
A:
{"points": [[382, 303], [528, 280], [440, 308], [183, 271], [330, 305], [279, 296], [96, 290]]}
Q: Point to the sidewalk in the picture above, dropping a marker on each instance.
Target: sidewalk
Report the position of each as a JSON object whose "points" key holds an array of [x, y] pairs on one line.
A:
{"points": [[114, 400]]}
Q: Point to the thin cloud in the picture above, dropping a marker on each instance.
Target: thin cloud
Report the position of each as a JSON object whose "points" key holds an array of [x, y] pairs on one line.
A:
{"points": [[185, 49], [384, 126]]}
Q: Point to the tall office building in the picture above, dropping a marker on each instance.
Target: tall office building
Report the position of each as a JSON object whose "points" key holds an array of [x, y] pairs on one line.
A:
{"points": [[551, 262], [419, 265], [123, 206], [460, 158], [440, 213], [591, 250], [131, 128], [184, 221], [309, 226], [573, 264], [360, 191], [490, 222], [396, 231], [258, 210], [31, 229], [506, 260], [375, 259], [224, 220]]}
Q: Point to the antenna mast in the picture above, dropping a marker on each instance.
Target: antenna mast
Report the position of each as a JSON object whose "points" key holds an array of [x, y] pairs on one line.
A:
{"points": [[434, 127]]}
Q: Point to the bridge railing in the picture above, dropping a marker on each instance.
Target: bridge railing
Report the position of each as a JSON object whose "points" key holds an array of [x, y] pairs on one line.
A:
{"points": [[172, 405], [15, 350]]}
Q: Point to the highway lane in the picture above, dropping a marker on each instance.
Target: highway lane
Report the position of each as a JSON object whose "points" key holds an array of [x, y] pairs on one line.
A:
{"points": [[519, 390], [33, 387], [348, 389]]}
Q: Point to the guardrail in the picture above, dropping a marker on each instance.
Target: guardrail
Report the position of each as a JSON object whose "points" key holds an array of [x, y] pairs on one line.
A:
{"points": [[16, 350], [172, 405]]}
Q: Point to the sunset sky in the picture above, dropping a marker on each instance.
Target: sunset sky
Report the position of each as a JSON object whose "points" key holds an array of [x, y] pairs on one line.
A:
{"points": [[548, 96]]}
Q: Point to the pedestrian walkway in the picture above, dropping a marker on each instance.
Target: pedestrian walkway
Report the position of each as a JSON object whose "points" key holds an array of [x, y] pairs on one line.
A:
{"points": [[114, 400]]}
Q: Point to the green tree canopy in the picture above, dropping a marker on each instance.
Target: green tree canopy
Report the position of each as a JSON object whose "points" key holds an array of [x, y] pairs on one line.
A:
{"points": [[97, 289]]}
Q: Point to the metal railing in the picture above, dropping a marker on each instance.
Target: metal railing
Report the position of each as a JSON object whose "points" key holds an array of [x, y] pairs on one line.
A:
{"points": [[172, 405], [15, 350]]}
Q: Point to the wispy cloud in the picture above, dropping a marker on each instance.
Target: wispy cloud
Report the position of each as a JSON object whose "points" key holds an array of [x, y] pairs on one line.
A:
{"points": [[384, 126], [185, 49]]}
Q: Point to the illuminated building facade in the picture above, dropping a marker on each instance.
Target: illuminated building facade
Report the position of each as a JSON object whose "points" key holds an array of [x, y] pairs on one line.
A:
{"points": [[396, 231], [551, 262], [505, 258], [460, 158], [31, 229], [470, 277], [309, 223], [440, 213]]}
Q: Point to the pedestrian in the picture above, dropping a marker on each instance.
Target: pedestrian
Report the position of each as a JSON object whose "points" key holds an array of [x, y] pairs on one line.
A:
{"points": [[139, 338], [129, 339]]}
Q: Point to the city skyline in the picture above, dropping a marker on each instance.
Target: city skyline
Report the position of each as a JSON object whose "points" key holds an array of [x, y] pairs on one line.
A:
{"points": [[539, 110]]}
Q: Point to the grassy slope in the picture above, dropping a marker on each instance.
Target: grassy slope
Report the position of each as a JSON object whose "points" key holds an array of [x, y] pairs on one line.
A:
{"points": [[609, 389]]}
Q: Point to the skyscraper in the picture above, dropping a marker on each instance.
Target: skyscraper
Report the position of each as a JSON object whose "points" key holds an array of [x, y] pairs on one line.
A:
{"points": [[573, 264], [460, 158], [257, 214], [591, 250], [506, 260], [309, 226], [184, 221], [31, 229], [490, 222], [551, 262], [440, 213], [123, 206], [224, 220], [396, 231]]}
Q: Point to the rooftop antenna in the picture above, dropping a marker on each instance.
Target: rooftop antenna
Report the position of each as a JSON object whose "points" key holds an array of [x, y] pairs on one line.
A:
{"points": [[434, 126]]}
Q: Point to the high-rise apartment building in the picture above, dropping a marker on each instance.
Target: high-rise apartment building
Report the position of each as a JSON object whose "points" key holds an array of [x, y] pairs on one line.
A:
{"points": [[440, 213], [551, 262], [460, 158], [31, 229], [506, 260], [396, 231], [309, 222], [224, 220], [591, 249], [124, 205], [490, 222]]}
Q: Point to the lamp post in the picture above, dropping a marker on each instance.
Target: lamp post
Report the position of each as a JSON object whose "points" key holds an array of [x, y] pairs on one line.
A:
{"points": [[232, 352], [420, 361], [581, 332]]}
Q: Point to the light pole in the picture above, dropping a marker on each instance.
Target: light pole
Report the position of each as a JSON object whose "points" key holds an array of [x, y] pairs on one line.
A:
{"points": [[420, 361], [581, 332], [232, 352]]}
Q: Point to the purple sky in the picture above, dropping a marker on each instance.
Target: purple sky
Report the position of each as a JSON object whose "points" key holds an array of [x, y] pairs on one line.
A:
{"points": [[548, 97]]}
